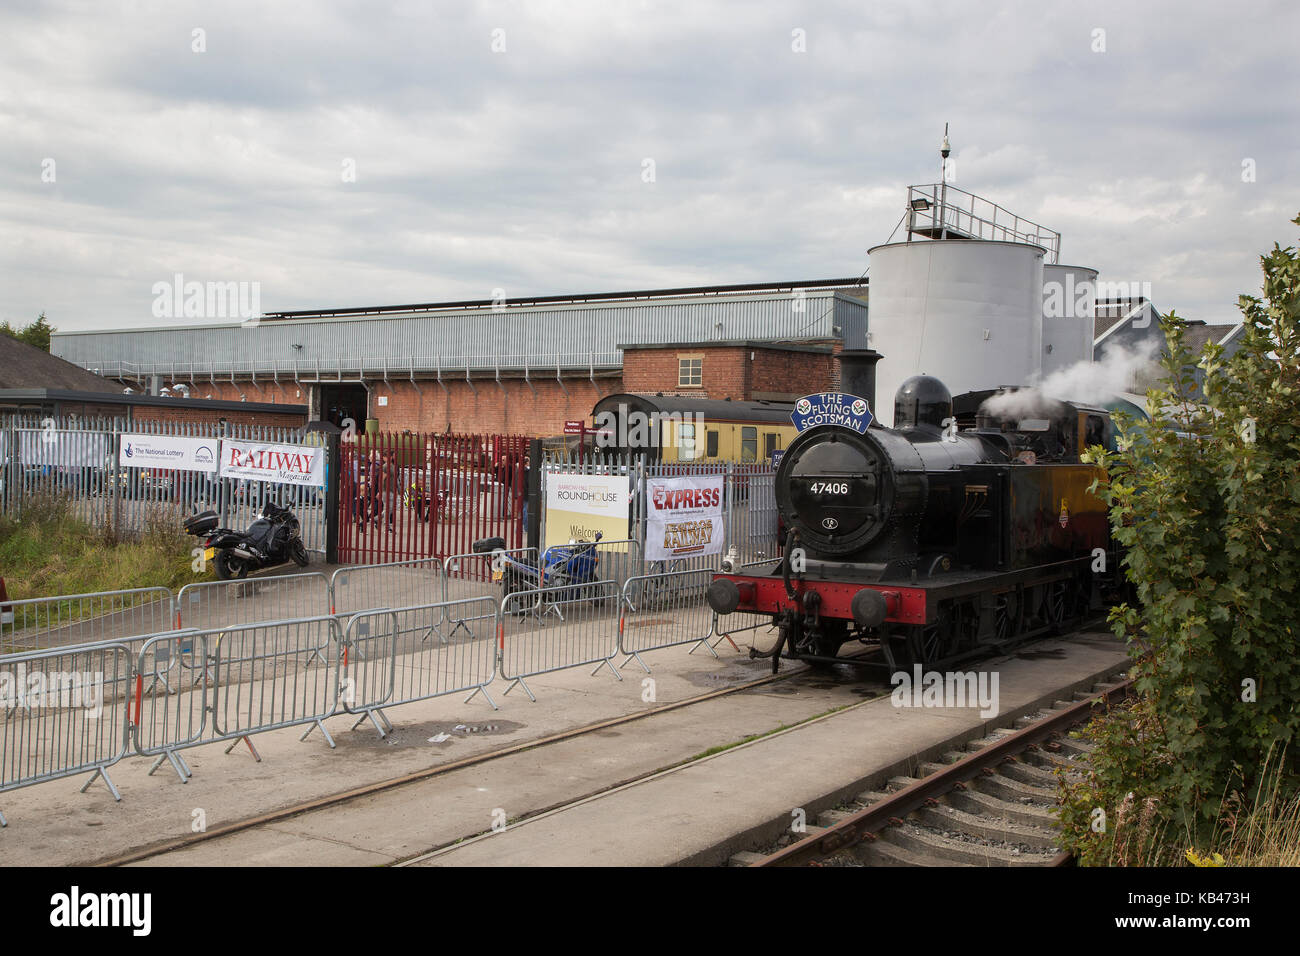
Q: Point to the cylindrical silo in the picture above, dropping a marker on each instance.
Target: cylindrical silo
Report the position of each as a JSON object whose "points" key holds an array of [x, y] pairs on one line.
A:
{"points": [[1069, 299], [969, 312]]}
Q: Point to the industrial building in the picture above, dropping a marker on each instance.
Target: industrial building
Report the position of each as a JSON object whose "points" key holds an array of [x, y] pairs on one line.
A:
{"points": [[975, 295]]}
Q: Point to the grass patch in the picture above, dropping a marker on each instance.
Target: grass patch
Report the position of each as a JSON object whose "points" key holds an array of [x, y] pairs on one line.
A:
{"points": [[50, 551]]}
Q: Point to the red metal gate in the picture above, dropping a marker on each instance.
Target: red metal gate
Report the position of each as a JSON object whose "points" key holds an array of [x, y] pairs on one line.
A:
{"points": [[405, 496]]}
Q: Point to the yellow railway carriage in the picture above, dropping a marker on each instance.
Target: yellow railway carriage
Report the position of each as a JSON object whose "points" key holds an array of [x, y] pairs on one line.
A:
{"points": [[675, 429]]}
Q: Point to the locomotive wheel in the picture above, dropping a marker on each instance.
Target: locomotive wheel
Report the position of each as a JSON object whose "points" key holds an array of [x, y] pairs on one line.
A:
{"points": [[926, 644], [1004, 616], [1056, 605]]}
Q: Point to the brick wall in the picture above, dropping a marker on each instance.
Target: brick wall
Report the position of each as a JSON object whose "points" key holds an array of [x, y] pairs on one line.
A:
{"points": [[728, 372]]}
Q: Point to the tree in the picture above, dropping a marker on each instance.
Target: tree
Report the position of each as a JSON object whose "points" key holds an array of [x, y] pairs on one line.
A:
{"points": [[1205, 497], [36, 335]]}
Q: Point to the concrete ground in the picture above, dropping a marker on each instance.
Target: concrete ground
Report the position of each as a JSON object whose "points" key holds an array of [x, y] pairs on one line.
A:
{"points": [[684, 815]]}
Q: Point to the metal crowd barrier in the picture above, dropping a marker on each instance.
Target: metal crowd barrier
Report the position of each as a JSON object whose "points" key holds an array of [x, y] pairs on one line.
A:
{"points": [[583, 632], [396, 584], [414, 668], [67, 619], [277, 597], [665, 610], [254, 678], [65, 712]]}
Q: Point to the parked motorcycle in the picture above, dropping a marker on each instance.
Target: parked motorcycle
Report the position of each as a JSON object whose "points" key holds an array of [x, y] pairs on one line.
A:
{"points": [[561, 565], [273, 538]]}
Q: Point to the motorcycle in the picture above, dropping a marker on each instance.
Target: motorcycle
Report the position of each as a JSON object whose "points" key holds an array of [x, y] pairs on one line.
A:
{"points": [[561, 566], [273, 538]]}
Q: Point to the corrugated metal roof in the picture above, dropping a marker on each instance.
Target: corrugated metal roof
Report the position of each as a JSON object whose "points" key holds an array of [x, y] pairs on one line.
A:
{"points": [[539, 337]]}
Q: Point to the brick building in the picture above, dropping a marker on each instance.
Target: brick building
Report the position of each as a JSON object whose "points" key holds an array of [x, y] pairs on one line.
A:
{"points": [[518, 366]]}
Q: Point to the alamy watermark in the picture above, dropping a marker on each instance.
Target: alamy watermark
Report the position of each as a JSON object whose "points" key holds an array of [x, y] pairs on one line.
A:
{"points": [[81, 690], [1069, 299], [949, 689], [206, 300]]}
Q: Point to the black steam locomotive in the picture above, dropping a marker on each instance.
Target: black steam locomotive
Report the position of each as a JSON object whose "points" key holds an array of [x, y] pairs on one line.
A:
{"points": [[967, 526]]}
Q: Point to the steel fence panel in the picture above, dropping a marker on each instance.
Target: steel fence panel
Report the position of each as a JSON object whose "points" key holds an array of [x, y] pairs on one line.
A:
{"points": [[250, 678], [398, 664], [365, 587], [665, 610], [64, 712], [549, 629], [277, 597], [93, 617], [474, 574]]}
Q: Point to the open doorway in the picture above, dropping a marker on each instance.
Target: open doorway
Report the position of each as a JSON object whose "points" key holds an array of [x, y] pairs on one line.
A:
{"points": [[344, 401]]}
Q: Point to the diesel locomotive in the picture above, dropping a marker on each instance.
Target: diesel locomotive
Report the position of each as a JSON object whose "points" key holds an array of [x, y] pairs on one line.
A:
{"points": [[968, 526]]}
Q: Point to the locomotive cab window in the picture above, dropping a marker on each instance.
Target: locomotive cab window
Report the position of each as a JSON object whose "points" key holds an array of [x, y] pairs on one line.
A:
{"points": [[749, 444]]}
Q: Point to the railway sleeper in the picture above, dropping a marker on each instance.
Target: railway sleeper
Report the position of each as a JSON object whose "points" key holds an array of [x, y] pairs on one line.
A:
{"points": [[918, 839], [987, 827], [884, 853], [1004, 788], [1029, 774], [1025, 814]]}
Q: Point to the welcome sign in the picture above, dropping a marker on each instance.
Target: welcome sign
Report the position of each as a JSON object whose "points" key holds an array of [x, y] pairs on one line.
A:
{"points": [[283, 464], [577, 506]]}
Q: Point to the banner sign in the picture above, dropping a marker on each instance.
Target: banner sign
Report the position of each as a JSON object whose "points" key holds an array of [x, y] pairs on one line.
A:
{"points": [[831, 408], [577, 506], [283, 464], [684, 517], [65, 449], [168, 451]]}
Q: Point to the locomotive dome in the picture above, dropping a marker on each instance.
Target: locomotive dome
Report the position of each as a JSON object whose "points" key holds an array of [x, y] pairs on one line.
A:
{"points": [[922, 400]]}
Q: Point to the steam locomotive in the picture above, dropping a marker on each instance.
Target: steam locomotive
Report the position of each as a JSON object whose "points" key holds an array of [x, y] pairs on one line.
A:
{"points": [[966, 527]]}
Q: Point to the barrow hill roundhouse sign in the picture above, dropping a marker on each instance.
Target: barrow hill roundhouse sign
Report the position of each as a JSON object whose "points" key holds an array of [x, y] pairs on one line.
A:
{"points": [[831, 408]]}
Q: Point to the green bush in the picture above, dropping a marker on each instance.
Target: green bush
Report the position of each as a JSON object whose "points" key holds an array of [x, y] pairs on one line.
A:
{"points": [[1206, 499]]}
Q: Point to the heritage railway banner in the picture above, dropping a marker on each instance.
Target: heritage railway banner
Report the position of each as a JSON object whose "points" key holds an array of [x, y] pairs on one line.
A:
{"points": [[283, 464], [579, 505], [684, 517]]}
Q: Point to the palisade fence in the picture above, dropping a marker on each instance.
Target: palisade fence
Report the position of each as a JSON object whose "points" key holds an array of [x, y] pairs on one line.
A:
{"points": [[74, 461]]}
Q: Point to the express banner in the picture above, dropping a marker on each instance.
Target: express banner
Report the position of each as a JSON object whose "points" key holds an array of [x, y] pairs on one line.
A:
{"points": [[168, 451], [577, 506], [283, 464], [684, 517]]}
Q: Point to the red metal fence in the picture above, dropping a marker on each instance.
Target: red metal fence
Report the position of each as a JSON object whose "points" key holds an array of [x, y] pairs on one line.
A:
{"points": [[405, 496]]}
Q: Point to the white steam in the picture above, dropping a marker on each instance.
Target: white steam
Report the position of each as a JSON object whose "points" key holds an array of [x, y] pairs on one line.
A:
{"points": [[1090, 383]]}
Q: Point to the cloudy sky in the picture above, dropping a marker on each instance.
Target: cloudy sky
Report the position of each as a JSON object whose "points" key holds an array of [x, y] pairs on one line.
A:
{"points": [[344, 154]]}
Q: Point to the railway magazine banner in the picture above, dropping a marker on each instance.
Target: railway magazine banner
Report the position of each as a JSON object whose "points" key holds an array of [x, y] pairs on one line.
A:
{"points": [[685, 517], [168, 451], [577, 506], [283, 464]]}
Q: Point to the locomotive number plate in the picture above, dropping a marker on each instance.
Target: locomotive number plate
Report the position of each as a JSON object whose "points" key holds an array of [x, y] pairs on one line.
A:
{"points": [[829, 487]]}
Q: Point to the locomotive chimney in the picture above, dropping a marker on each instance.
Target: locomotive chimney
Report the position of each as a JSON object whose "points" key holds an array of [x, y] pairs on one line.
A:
{"points": [[858, 374]]}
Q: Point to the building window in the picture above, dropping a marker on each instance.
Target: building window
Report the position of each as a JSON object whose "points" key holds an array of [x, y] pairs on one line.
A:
{"points": [[690, 371], [748, 444]]}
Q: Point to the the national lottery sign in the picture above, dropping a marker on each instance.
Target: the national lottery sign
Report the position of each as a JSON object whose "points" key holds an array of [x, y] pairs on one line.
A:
{"points": [[168, 451], [283, 464], [831, 408], [684, 517]]}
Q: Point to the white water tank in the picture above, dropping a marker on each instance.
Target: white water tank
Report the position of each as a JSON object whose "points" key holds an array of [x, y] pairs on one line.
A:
{"points": [[969, 312], [1069, 315]]}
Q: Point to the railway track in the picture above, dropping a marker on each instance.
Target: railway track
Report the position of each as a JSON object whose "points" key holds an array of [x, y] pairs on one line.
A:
{"points": [[987, 806]]}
